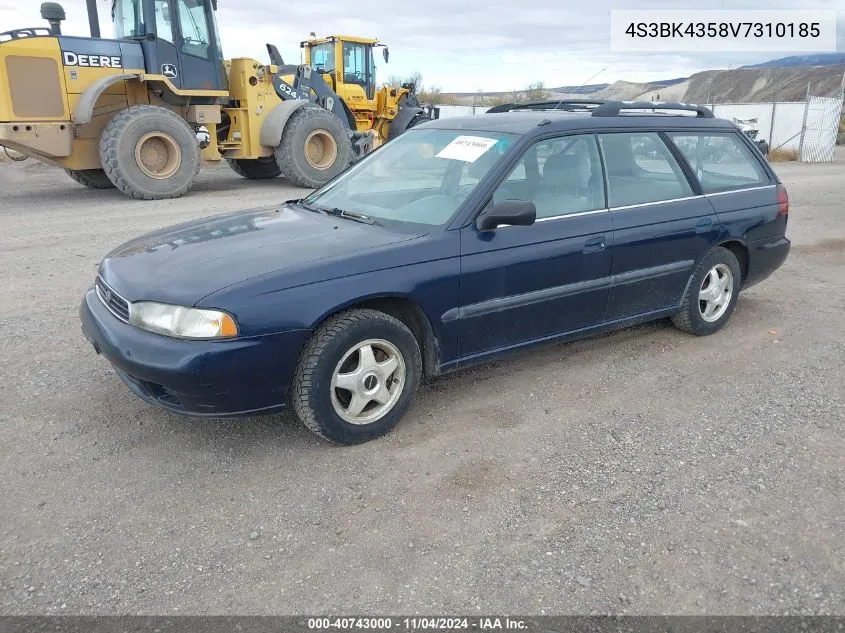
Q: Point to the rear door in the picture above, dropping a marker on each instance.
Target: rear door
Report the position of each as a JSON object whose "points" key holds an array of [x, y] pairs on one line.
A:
{"points": [[735, 182], [662, 225], [526, 283]]}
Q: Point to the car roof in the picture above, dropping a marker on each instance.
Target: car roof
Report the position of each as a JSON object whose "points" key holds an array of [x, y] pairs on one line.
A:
{"points": [[524, 122]]}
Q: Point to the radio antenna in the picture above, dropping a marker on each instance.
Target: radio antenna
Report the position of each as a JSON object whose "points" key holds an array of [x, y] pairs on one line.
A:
{"points": [[581, 86]]}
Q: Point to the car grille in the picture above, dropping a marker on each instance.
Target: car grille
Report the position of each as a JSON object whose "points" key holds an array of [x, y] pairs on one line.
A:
{"points": [[116, 304]]}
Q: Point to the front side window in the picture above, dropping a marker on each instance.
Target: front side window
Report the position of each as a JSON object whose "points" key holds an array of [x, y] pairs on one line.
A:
{"points": [[128, 18], [354, 63], [322, 57], [422, 176], [721, 162], [641, 169], [164, 28], [560, 176], [195, 38]]}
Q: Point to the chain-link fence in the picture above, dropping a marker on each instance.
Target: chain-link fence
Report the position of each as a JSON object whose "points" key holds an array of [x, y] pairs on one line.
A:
{"points": [[808, 129]]}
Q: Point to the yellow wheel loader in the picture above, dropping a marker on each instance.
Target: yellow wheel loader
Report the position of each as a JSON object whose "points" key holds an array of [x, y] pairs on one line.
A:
{"points": [[141, 111]]}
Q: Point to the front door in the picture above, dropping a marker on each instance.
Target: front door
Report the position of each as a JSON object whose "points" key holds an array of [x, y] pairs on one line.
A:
{"points": [[523, 284], [161, 54], [200, 59]]}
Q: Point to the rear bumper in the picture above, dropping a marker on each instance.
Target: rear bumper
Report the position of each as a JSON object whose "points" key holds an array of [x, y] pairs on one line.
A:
{"points": [[239, 377], [764, 258]]}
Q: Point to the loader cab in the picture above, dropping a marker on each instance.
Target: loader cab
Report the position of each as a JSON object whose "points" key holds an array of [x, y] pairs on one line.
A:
{"points": [[348, 64], [179, 38]]}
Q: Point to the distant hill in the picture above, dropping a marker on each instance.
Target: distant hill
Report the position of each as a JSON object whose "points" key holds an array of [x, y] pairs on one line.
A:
{"points": [[579, 90], [785, 79], [745, 85], [817, 59]]}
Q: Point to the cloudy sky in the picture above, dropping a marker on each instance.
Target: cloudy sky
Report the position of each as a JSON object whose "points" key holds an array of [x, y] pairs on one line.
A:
{"points": [[459, 45]]}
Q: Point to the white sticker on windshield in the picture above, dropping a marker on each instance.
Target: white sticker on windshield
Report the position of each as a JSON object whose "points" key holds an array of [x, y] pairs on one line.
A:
{"points": [[467, 148]]}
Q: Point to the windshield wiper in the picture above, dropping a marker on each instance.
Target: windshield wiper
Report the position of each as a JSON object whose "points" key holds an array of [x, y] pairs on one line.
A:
{"points": [[335, 212], [349, 215], [308, 207]]}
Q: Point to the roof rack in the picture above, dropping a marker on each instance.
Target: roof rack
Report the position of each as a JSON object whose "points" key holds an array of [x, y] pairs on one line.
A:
{"points": [[615, 108], [567, 105]]}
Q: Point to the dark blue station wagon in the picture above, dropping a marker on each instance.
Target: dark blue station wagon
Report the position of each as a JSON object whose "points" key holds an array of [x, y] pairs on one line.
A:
{"points": [[459, 241]]}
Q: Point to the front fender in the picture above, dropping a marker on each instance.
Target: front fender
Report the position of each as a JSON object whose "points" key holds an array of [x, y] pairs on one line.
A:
{"points": [[84, 108], [274, 124], [400, 123]]}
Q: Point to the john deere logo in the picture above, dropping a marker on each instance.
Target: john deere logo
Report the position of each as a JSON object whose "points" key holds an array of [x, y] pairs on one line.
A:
{"points": [[168, 70], [69, 58]]}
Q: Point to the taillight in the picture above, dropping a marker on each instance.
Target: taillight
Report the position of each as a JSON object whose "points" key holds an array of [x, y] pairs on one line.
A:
{"points": [[783, 200]]}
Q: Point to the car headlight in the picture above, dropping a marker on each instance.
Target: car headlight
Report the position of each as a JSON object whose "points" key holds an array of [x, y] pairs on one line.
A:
{"points": [[182, 322]]}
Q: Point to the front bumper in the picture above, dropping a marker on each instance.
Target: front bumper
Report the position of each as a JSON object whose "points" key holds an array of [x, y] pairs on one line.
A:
{"points": [[248, 376]]}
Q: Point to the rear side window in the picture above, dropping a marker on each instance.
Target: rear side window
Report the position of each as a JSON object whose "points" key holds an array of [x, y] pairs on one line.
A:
{"points": [[641, 169], [721, 162]]}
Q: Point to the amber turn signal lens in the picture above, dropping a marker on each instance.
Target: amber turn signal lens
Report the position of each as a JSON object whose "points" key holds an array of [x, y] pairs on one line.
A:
{"points": [[228, 327]]}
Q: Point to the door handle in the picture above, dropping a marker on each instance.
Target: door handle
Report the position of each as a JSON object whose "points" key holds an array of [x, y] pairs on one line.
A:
{"points": [[595, 244], [703, 225]]}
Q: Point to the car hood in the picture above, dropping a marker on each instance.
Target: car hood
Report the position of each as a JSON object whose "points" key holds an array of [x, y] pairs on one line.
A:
{"points": [[184, 263]]}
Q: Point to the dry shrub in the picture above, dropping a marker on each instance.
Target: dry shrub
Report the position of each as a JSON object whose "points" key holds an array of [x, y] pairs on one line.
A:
{"points": [[782, 155]]}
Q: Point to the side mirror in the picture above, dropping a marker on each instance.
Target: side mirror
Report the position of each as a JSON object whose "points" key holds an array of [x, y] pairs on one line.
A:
{"points": [[511, 212], [386, 54]]}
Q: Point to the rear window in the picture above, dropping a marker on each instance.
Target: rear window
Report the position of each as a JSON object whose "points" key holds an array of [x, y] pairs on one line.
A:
{"points": [[721, 162], [641, 169]]}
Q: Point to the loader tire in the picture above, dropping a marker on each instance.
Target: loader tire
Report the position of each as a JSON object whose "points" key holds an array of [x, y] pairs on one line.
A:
{"points": [[255, 168], [315, 147], [150, 153], [91, 178]]}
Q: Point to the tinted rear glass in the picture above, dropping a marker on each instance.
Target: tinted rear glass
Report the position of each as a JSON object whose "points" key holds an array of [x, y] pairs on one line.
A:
{"points": [[721, 161]]}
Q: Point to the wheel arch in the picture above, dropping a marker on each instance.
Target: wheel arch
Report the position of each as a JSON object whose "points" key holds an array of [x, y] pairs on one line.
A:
{"points": [[406, 310], [83, 110], [736, 246], [740, 251]]}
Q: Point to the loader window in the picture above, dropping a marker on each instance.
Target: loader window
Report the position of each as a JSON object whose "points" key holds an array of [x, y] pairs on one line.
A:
{"points": [[164, 28], [354, 63], [194, 27], [322, 57], [128, 18]]}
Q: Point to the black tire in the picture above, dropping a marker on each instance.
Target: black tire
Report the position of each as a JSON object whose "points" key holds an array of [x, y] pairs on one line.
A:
{"points": [[255, 168], [689, 317], [117, 153], [311, 389], [290, 154], [91, 178]]}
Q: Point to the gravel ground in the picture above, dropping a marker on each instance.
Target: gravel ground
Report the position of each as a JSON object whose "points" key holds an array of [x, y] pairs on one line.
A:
{"points": [[644, 471]]}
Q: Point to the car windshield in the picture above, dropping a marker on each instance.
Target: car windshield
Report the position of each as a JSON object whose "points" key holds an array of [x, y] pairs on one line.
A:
{"points": [[422, 176]]}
